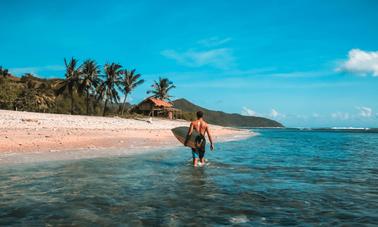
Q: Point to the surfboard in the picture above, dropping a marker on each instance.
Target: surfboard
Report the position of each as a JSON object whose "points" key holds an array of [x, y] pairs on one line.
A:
{"points": [[181, 132]]}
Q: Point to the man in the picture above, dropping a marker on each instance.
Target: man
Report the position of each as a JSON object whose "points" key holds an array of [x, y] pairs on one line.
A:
{"points": [[202, 128]]}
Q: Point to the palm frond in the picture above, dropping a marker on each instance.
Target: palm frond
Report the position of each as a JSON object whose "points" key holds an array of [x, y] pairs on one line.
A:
{"points": [[161, 88]]}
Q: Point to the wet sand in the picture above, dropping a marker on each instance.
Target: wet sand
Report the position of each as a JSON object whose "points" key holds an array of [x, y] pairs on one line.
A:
{"points": [[30, 137]]}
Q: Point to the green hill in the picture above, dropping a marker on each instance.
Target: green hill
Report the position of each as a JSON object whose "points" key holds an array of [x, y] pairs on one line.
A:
{"points": [[30, 93], [225, 119]]}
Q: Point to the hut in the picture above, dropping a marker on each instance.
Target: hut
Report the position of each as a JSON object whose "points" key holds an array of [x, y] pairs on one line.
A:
{"points": [[157, 107]]}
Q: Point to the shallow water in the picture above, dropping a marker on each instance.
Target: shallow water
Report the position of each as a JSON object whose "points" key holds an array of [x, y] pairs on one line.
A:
{"points": [[280, 177]]}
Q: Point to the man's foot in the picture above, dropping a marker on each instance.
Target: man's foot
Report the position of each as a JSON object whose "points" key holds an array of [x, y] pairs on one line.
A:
{"points": [[200, 164], [195, 162]]}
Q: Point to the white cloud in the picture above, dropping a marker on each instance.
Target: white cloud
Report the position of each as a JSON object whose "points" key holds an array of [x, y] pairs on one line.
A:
{"points": [[361, 62], [214, 41], [36, 69], [248, 112], [340, 116], [275, 114], [221, 58], [365, 111]]}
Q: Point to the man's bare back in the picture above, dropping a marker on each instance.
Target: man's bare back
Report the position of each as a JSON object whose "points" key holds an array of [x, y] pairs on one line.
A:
{"points": [[202, 128]]}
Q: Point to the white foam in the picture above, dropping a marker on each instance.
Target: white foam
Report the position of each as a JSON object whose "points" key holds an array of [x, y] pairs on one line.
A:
{"points": [[349, 128], [239, 219]]}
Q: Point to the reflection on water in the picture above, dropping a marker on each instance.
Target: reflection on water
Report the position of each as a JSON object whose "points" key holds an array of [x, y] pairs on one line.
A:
{"points": [[277, 178]]}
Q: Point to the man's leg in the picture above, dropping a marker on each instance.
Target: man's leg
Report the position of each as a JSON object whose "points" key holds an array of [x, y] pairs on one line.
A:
{"points": [[195, 162], [202, 156], [195, 157]]}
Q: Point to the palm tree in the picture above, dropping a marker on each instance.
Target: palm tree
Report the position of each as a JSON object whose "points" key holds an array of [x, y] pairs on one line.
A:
{"points": [[129, 82], [3, 72], [72, 80], [89, 79], [161, 88], [108, 89]]}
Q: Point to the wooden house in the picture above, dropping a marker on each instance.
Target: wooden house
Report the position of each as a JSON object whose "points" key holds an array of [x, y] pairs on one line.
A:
{"points": [[157, 108]]}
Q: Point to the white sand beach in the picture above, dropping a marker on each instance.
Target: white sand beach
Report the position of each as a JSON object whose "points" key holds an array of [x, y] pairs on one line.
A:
{"points": [[29, 137]]}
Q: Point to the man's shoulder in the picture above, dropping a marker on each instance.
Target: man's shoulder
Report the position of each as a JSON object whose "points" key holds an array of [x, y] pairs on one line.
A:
{"points": [[204, 123]]}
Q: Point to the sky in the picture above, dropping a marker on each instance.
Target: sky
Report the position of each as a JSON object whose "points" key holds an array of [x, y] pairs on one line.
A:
{"points": [[303, 63]]}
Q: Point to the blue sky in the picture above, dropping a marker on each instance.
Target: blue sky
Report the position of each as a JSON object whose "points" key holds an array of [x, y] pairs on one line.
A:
{"points": [[304, 63]]}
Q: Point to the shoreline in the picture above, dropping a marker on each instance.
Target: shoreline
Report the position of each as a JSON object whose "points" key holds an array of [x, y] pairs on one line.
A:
{"points": [[27, 137]]}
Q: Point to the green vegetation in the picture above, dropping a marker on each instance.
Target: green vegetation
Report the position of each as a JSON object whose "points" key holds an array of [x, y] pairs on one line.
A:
{"points": [[87, 90], [3, 72], [37, 96], [130, 81], [90, 81], [161, 88], [9, 91], [72, 81], [221, 118], [108, 88], [84, 90]]}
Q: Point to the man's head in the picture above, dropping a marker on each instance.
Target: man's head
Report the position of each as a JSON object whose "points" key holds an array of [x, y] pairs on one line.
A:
{"points": [[199, 114]]}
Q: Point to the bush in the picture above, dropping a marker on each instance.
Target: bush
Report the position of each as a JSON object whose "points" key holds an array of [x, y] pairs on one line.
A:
{"points": [[189, 116], [8, 93]]}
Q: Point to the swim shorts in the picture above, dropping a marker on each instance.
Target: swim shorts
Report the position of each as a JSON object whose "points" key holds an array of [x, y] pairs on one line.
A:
{"points": [[198, 153]]}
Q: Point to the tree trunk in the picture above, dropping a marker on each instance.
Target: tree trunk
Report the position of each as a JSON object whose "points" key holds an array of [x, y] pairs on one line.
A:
{"points": [[106, 102], [87, 102], [94, 107], [124, 104], [72, 103]]}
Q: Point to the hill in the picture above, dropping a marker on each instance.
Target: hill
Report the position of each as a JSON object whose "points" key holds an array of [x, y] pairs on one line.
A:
{"points": [[225, 119], [33, 94]]}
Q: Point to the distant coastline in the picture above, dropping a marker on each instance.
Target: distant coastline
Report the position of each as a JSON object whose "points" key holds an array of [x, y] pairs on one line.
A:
{"points": [[325, 129], [227, 119], [81, 94]]}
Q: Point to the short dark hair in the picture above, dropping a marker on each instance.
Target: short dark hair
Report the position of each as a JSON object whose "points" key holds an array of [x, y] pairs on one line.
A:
{"points": [[199, 114]]}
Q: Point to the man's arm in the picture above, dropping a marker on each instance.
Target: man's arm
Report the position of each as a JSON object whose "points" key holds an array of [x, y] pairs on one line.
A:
{"points": [[210, 138], [190, 131]]}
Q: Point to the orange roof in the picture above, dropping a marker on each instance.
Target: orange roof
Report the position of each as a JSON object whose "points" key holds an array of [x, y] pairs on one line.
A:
{"points": [[159, 102]]}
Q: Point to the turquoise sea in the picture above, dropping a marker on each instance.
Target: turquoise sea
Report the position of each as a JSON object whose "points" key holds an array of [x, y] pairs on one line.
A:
{"points": [[279, 177]]}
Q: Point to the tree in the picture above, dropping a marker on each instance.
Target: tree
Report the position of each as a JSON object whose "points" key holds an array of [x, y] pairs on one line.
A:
{"points": [[35, 96], [89, 79], [108, 89], [129, 81], [72, 80], [4, 72], [9, 91], [161, 88]]}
